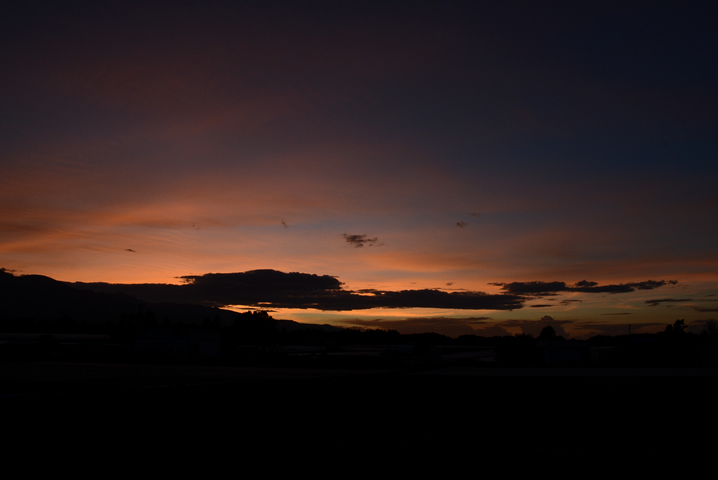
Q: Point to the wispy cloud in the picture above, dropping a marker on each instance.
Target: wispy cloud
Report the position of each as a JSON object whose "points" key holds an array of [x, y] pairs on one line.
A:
{"points": [[593, 328], [693, 301], [542, 289], [658, 301], [570, 301], [359, 241]]}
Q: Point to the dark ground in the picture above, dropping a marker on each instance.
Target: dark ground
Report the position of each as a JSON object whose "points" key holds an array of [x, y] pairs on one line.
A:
{"points": [[607, 421]]}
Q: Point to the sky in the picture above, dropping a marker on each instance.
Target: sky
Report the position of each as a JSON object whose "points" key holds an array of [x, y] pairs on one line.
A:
{"points": [[483, 167]]}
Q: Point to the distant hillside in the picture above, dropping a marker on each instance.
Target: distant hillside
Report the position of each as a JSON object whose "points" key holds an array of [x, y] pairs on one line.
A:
{"points": [[292, 326], [43, 298]]}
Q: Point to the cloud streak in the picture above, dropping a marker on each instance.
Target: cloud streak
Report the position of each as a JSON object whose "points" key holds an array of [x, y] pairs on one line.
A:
{"points": [[543, 289], [359, 241], [274, 289]]}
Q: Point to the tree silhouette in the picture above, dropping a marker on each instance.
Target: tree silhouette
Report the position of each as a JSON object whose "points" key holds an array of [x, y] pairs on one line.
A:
{"points": [[711, 327], [547, 333], [254, 327], [519, 350], [677, 329]]}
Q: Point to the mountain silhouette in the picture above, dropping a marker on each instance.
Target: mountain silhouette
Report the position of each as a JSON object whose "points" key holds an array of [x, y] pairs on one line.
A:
{"points": [[43, 298]]}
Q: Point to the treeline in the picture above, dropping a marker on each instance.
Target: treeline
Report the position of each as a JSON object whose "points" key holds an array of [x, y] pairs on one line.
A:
{"points": [[675, 346], [259, 328]]}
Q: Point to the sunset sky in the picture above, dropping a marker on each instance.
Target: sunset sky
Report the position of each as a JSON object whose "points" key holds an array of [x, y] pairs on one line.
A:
{"points": [[455, 147]]}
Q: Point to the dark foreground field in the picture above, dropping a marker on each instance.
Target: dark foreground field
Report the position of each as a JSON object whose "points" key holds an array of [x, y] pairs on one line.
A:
{"points": [[525, 420]]}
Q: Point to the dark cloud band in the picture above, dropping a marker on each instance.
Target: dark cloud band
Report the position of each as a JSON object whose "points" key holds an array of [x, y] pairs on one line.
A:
{"points": [[273, 289], [541, 289]]}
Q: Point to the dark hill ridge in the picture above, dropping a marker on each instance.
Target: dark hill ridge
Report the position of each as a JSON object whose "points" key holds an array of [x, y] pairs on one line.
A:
{"points": [[43, 298]]}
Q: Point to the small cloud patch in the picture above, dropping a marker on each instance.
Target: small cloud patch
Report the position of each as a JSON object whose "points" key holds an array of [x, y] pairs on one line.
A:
{"points": [[359, 241]]}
